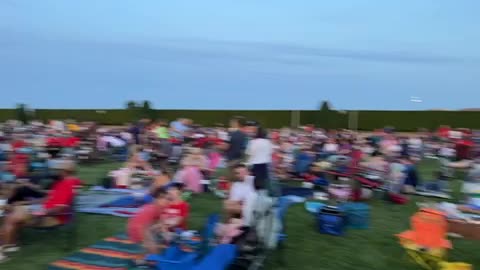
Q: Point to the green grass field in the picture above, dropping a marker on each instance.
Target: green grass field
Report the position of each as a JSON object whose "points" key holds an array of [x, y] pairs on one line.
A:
{"points": [[375, 248]]}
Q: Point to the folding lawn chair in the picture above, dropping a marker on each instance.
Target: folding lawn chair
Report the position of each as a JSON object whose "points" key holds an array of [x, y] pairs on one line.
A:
{"points": [[175, 258], [67, 229], [357, 174], [219, 258]]}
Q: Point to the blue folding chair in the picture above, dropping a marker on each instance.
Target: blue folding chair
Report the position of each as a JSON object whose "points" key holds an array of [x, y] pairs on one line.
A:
{"points": [[219, 258], [176, 259], [208, 233]]}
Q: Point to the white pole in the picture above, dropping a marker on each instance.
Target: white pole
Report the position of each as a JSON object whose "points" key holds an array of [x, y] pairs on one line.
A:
{"points": [[299, 117], [356, 120], [350, 120], [292, 119], [353, 120]]}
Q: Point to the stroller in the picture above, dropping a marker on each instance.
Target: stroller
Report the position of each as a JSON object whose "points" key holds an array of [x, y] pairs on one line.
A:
{"points": [[266, 234]]}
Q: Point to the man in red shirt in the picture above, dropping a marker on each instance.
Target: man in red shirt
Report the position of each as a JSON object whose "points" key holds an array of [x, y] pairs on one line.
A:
{"points": [[55, 209]]}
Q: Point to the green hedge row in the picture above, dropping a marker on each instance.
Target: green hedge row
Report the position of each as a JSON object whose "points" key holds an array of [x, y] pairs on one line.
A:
{"points": [[106, 117], [413, 120], [8, 114], [268, 118], [365, 120]]}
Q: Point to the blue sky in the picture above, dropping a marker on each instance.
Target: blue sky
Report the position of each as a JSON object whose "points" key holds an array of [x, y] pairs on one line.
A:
{"points": [[249, 54]]}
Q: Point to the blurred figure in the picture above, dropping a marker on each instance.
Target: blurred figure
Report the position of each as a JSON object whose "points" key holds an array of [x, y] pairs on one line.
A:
{"points": [[259, 155]]}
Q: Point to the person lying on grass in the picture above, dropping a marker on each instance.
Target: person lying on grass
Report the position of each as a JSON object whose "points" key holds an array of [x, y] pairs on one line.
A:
{"points": [[52, 212]]}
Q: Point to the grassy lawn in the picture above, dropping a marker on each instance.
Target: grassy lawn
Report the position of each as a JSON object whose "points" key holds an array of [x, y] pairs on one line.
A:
{"points": [[375, 248]]}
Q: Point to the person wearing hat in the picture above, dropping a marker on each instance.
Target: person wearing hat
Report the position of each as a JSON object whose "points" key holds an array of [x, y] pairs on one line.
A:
{"points": [[48, 213]]}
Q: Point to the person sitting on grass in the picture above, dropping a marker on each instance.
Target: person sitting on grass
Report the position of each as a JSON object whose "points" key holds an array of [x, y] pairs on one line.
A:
{"points": [[52, 212], [376, 163], [161, 180], [190, 172], [139, 226], [176, 213], [239, 192], [137, 160]]}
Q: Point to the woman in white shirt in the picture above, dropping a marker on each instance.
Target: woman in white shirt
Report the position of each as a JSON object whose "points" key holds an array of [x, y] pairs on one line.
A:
{"points": [[259, 153], [330, 148]]}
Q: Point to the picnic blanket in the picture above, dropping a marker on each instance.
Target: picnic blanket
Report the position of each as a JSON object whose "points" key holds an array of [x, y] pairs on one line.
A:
{"points": [[112, 253], [91, 198], [111, 211], [115, 202]]}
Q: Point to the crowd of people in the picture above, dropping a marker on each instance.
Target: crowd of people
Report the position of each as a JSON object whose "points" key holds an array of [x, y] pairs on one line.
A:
{"points": [[241, 162]]}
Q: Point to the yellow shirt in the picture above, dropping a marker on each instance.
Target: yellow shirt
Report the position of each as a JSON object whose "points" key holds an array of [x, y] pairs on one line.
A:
{"points": [[73, 127]]}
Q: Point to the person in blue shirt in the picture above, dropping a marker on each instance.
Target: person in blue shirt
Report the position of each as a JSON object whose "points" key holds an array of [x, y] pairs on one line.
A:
{"points": [[238, 141], [303, 161], [135, 131], [179, 127]]}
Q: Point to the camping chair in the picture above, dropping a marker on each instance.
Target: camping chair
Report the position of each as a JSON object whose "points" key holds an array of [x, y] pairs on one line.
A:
{"points": [[176, 258], [218, 259], [426, 243], [68, 229], [356, 173], [208, 233]]}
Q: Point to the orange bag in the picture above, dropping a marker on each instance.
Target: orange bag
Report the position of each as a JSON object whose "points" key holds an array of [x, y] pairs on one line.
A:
{"points": [[429, 229]]}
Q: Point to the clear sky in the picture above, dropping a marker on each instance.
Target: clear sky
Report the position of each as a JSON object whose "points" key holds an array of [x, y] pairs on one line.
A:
{"points": [[248, 54]]}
